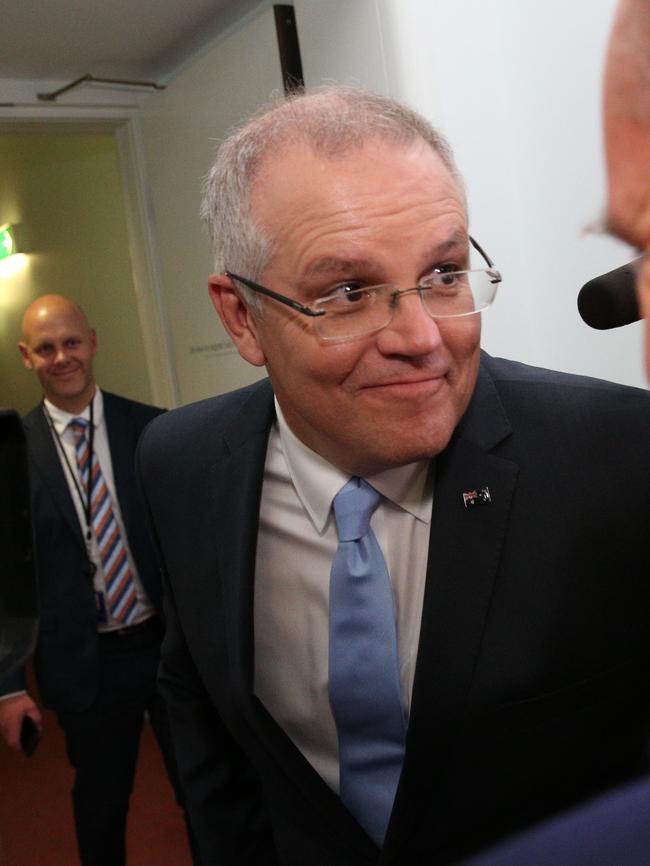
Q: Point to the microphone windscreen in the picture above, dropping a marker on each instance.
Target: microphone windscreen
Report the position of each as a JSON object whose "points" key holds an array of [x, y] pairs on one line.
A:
{"points": [[609, 301]]}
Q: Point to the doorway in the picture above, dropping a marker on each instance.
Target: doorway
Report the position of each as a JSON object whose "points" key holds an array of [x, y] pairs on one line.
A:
{"points": [[72, 192]]}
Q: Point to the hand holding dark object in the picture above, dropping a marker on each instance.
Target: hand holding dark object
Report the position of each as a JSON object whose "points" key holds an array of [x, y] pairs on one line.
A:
{"points": [[13, 712]]}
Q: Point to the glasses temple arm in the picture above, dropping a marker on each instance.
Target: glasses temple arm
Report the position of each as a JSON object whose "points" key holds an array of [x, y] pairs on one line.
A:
{"points": [[479, 249], [262, 290]]}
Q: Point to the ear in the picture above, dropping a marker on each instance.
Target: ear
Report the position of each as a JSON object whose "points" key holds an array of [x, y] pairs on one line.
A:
{"points": [[24, 351], [240, 323], [93, 341]]}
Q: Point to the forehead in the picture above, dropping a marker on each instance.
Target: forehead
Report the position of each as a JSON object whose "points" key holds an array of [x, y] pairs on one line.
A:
{"points": [[306, 202], [54, 325]]}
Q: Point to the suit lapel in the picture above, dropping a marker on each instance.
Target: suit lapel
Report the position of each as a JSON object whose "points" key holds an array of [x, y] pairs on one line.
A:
{"points": [[464, 550], [47, 466], [463, 556], [241, 472]]}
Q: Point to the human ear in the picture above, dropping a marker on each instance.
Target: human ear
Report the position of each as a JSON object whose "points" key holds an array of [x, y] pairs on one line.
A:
{"points": [[24, 351], [237, 318]]}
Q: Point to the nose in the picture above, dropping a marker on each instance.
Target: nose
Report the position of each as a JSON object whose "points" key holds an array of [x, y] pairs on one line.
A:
{"points": [[411, 331], [61, 355]]}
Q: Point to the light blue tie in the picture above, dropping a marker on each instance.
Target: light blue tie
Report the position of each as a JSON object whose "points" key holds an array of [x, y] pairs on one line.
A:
{"points": [[364, 685]]}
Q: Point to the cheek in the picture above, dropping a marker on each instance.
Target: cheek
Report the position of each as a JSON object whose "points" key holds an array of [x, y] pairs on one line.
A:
{"points": [[462, 338], [302, 374], [329, 365]]}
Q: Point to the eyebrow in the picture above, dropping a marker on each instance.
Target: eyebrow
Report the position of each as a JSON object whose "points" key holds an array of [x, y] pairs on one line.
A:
{"points": [[338, 265], [335, 265], [458, 238]]}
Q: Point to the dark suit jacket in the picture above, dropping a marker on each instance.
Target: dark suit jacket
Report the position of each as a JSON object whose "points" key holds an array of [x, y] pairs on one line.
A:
{"points": [[66, 651], [531, 687]]}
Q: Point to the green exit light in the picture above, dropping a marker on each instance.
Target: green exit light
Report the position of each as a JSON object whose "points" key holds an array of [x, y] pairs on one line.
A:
{"points": [[7, 241]]}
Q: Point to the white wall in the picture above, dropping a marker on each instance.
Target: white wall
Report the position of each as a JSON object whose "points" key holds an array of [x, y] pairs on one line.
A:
{"points": [[515, 86], [180, 128]]}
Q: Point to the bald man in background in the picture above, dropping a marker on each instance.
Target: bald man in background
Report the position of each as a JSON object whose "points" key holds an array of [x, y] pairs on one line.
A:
{"points": [[99, 636], [613, 830]]}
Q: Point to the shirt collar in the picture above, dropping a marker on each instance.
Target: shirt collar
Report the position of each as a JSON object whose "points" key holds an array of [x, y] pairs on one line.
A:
{"points": [[60, 418], [317, 481]]}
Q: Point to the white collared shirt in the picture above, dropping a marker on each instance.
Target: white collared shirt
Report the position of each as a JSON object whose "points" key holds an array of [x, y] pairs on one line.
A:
{"points": [[60, 420], [297, 541]]}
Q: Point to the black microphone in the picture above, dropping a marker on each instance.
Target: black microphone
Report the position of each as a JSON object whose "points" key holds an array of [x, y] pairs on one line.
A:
{"points": [[609, 301]]}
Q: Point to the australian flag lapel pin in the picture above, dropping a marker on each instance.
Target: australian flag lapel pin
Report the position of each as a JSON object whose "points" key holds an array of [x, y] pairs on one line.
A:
{"points": [[474, 498]]}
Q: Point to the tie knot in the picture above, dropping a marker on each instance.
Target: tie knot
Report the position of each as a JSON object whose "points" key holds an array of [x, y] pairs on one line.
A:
{"points": [[78, 427], [353, 507]]}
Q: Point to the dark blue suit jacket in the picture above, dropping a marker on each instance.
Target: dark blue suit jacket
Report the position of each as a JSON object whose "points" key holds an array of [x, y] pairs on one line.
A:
{"points": [[613, 830], [66, 650], [532, 684]]}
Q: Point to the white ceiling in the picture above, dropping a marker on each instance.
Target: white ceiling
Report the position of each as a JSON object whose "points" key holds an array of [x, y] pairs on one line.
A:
{"points": [[62, 40]]}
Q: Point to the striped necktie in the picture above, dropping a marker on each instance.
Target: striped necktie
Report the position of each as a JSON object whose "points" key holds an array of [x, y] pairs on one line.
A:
{"points": [[121, 597], [364, 684]]}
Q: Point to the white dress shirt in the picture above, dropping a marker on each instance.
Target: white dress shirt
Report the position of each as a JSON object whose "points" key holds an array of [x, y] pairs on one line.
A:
{"points": [[297, 541], [60, 421]]}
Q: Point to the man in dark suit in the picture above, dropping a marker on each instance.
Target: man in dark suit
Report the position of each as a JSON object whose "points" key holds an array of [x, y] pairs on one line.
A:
{"points": [[511, 524], [99, 637]]}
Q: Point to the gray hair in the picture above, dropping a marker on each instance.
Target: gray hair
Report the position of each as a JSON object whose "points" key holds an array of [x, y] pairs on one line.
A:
{"points": [[332, 120]]}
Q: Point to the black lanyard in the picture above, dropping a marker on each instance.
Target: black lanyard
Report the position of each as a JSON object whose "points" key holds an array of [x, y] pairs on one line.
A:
{"points": [[86, 503]]}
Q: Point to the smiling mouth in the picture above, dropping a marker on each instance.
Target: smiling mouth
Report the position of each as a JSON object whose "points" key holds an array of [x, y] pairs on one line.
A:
{"points": [[406, 386]]}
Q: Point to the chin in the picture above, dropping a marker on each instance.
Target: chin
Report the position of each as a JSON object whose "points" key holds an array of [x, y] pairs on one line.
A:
{"points": [[400, 454]]}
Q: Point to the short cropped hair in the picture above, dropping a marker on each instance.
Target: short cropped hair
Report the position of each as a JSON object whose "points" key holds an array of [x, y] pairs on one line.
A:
{"points": [[332, 120]]}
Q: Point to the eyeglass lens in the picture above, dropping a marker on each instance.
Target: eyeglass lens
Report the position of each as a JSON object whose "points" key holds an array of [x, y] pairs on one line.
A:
{"points": [[443, 295]]}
